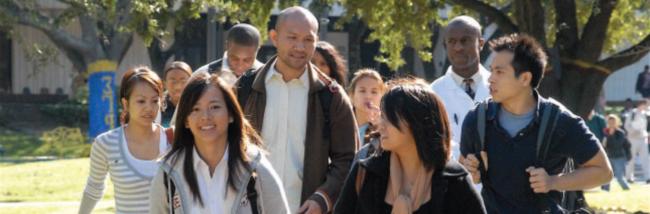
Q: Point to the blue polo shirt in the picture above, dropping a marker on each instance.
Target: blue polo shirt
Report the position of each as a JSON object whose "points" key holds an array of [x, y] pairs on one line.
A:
{"points": [[506, 186]]}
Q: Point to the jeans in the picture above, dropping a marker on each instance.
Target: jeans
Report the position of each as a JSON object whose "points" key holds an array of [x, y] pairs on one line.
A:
{"points": [[618, 166]]}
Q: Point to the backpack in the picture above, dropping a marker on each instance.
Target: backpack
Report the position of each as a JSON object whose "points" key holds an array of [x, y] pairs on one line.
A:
{"points": [[572, 201], [325, 96]]}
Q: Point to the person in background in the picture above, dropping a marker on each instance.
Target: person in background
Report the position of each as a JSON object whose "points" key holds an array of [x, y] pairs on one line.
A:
{"points": [[175, 77], [597, 124], [129, 153], [636, 128], [618, 151], [414, 173], [366, 89], [465, 82], [643, 82], [215, 164], [242, 44], [329, 61]]}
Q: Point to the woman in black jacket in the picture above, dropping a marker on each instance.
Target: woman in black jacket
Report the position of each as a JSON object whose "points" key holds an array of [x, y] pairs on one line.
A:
{"points": [[617, 148], [414, 174]]}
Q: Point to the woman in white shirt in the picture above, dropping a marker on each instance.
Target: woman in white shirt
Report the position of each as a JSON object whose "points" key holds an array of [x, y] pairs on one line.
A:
{"points": [[129, 153], [215, 164]]}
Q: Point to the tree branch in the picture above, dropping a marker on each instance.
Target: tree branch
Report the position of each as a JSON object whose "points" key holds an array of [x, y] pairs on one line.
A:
{"points": [[628, 56], [592, 42], [505, 24], [34, 19], [566, 38]]}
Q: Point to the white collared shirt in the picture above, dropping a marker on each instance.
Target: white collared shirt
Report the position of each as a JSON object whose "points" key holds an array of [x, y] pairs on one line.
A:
{"points": [[216, 195], [284, 129], [477, 77]]}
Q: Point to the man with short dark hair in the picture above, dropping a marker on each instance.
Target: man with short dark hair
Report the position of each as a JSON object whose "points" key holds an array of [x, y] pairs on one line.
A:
{"points": [[305, 118], [514, 178], [242, 44]]}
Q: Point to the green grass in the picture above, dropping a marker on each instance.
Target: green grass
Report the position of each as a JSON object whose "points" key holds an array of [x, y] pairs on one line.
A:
{"points": [[102, 209], [636, 199], [60, 180]]}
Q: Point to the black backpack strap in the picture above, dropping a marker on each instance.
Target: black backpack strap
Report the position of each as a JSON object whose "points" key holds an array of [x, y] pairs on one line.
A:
{"points": [[215, 67], [171, 190], [550, 115], [325, 96], [251, 194], [245, 86], [481, 124]]}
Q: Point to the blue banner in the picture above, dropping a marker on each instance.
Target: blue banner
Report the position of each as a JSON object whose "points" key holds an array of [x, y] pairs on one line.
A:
{"points": [[102, 99]]}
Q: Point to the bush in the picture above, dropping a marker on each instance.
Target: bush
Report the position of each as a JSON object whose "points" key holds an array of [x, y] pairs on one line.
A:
{"points": [[64, 142], [69, 112]]}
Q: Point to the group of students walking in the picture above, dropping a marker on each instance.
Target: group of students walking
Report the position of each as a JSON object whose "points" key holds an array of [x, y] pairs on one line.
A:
{"points": [[282, 136]]}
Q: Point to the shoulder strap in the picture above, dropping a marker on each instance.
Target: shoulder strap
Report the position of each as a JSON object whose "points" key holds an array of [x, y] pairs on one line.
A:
{"points": [[325, 96], [550, 116], [251, 194], [480, 123], [169, 132], [215, 66], [358, 182], [245, 86], [171, 190]]}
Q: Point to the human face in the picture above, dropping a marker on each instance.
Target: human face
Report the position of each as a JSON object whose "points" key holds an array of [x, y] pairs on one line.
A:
{"points": [[504, 86], [611, 123], [209, 118], [175, 82], [295, 40], [394, 139], [143, 104], [463, 45], [241, 58], [368, 91], [320, 62]]}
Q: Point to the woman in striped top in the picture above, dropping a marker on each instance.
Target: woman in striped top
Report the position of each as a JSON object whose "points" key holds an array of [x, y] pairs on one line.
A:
{"points": [[128, 153]]}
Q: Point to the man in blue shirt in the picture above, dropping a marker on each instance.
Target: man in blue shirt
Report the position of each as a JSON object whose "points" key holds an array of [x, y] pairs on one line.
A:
{"points": [[512, 176]]}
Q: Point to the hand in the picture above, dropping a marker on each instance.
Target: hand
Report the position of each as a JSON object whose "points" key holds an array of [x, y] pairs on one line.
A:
{"points": [[310, 207], [540, 181], [470, 162], [373, 112]]}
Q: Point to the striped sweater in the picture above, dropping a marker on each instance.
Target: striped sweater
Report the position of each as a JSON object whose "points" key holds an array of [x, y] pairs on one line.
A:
{"points": [[108, 156]]}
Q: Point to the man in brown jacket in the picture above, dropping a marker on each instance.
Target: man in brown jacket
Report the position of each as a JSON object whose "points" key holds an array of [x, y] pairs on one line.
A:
{"points": [[285, 104]]}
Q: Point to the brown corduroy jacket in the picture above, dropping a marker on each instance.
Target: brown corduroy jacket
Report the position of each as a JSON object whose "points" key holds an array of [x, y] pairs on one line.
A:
{"points": [[326, 163]]}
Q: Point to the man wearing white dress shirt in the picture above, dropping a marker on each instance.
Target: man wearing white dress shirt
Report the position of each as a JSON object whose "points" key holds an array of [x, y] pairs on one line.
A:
{"points": [[466, 81]]}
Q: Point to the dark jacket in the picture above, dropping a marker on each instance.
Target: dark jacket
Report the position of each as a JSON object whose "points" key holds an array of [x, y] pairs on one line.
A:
{"points": [[326, 163], [506, 185], [451, 190], [617, 145]]}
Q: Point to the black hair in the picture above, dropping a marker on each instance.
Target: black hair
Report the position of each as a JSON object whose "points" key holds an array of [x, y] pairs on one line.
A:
{"points": [[423, 112], [245, 35], [529, 56]]}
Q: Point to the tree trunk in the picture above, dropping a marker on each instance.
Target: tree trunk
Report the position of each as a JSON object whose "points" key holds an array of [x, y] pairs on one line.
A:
{"points": [[357, 29]]}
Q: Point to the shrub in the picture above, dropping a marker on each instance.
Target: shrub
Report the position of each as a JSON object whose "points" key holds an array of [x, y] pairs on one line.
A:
{"points": [[64, 142]]}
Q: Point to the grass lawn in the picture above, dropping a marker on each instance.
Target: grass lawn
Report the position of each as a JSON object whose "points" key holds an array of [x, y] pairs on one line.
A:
{"points": [[64, 180], [636, 199], [60, 180]]}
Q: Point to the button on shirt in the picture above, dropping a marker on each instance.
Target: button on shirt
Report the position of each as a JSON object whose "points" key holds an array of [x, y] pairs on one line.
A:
{"points": [[212, 187], [284, 129]]}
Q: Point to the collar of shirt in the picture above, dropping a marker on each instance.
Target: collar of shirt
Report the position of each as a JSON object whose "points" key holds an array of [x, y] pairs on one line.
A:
{"points": [[224, 62], [202, 167], [274, 74], [459, 80]]}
